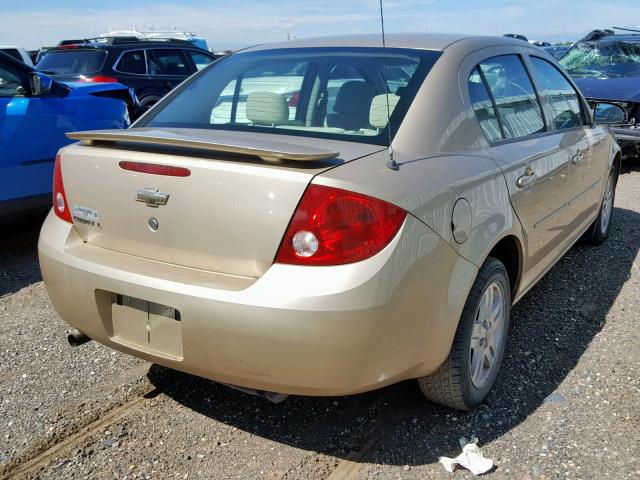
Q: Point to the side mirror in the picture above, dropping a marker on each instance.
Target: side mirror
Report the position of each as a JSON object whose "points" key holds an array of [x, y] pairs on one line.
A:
{"points": [[609, 114], [40, 84]]}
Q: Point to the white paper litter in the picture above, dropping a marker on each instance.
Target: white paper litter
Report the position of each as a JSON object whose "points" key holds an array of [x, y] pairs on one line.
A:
{"points": [[471, 458]]}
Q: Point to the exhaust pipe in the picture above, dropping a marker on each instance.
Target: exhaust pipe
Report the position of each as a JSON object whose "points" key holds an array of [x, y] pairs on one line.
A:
{"points": [[273, 397], [76, 339]]}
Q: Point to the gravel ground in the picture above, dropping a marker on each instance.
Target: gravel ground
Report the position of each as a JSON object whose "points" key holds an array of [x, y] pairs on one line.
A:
{"points": [[566, 404]]}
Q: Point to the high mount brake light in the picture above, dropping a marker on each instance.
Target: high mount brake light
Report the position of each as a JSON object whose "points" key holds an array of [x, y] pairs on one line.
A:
{"points": [[155, 169], [334, 227], [60, 204]]}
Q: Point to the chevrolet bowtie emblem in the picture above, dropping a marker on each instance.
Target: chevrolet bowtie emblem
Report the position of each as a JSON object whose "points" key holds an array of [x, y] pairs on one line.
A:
{"points": [[152, 197]]}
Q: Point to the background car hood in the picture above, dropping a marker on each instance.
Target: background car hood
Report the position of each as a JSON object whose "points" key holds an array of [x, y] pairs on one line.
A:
{"points": [[622, 89]]}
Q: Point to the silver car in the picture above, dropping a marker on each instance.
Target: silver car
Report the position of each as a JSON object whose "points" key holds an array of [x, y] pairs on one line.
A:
{"points": [[325, 216]]}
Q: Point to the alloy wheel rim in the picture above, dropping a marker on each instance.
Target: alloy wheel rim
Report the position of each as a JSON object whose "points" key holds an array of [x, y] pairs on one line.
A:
{"points": [[607, 207], [487, 335]]}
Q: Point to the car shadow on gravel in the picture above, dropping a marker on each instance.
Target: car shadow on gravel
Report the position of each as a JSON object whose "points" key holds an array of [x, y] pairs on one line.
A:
{"points": [[19, 265], [552, 328]]}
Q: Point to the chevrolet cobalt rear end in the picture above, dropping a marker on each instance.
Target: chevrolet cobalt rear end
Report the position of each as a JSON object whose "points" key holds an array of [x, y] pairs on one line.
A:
{"points": [[256, 228]]}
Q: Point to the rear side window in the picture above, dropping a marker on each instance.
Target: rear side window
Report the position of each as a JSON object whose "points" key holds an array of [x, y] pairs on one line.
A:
{"points": [[560, 96], [132, 62], [167, 62], [514, 96], [200, 60], [483, 106], [72, 62]]}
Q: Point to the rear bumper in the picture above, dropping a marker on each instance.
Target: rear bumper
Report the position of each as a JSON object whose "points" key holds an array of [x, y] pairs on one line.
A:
{"points": [[297, 330]]}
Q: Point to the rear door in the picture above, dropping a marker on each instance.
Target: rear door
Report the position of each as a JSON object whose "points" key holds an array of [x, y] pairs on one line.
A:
{"points": [[585, 144], [534, 159]]}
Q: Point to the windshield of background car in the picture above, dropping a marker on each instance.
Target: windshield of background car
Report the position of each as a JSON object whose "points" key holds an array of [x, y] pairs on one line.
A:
{"points": [[603, 59], [72, 62], [340, 93]]}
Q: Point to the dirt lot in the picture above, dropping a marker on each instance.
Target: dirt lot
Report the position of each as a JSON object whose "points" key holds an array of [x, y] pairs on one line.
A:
{"points": [[567, 404]]}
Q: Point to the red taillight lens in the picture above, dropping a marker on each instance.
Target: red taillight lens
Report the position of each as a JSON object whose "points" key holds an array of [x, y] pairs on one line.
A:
{"points": [[334, 227], [60, 205], [155, 169], [100, 79], [294, 99]]}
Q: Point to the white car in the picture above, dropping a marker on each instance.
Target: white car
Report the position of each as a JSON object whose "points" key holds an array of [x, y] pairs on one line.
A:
{"points": [[18, 53]]}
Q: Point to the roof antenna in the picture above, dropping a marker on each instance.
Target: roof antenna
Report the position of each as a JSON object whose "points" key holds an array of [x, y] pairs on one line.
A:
{"points": [[391, 163]]}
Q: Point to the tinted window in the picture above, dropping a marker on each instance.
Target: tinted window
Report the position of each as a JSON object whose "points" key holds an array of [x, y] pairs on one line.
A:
{"points": [[200, 60], [72, 62], [132, 62], [289, 91], [13, 53], [561, 97], [482, 105], [515, 96], [9, 81], [167, 62]]}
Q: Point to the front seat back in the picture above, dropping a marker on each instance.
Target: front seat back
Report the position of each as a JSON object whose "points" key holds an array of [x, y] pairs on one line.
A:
{"points": [[353, 102]]}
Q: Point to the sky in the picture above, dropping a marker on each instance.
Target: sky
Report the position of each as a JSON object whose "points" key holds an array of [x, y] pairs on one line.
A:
{"points": [[230, 24]]}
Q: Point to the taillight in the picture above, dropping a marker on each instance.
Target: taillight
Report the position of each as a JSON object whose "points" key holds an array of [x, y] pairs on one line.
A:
{"points": [[294, 99], [100, 79], [333, 227], [60, 205]]}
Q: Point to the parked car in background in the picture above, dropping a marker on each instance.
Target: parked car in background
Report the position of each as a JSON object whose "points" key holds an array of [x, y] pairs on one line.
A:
{"points": [[18, 53], [152, 67], [557, 50], [606, 66], [35, 114], [283, 249]]}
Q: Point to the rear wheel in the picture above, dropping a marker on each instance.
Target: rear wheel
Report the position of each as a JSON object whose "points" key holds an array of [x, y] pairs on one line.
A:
{"points": [[465, 378], [599, 231]]}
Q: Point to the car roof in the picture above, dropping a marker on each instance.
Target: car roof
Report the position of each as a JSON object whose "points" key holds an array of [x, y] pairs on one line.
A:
{"points": [[421, 41], [15, 62]]}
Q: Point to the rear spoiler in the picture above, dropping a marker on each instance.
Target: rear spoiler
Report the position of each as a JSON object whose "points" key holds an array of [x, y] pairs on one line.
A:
{"points": [[269, 151]]}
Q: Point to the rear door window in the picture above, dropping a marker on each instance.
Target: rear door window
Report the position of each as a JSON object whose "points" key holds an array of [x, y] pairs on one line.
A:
{"points": [[514, 95], [200, 60], [483, 107], [132, 62], [560, 96], [169, 62]]}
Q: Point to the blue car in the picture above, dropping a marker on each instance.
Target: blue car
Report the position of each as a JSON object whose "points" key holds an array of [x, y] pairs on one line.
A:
{"points": [[35, 114], [606, 66]]}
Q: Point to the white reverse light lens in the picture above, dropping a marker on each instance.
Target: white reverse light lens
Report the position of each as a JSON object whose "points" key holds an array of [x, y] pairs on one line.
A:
{"points": [[60, 202], [305, 243]]}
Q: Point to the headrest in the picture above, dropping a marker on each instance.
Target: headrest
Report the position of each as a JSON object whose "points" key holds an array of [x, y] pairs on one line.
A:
{"points": [[354, 96], [378, 115], [267, 108]]}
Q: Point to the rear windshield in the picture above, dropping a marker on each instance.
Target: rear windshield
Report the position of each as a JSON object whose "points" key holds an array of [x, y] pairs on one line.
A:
{"points": [[72, 62], [341, 93]]}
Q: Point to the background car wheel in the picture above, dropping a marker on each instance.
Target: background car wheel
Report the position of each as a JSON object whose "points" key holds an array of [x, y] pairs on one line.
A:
{"points": [[599, 231], [465, 378]]}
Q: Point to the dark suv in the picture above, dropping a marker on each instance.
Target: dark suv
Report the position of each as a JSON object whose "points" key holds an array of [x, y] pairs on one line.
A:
{"points": [[152, 67]]}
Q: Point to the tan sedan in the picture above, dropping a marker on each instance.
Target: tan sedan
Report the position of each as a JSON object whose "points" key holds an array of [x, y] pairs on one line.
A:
{"points": [[255, 227]]}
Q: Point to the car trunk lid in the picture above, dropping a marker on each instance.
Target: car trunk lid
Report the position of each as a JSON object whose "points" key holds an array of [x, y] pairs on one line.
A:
{"points": [[228, 215]]}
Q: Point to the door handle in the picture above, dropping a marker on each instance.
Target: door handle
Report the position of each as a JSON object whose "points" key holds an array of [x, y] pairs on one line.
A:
{"points": [[577, 159], [527, 179]]}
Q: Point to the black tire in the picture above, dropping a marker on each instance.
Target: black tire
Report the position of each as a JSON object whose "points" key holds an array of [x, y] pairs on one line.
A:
{"points": [[598, 232], [451, 385]]}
